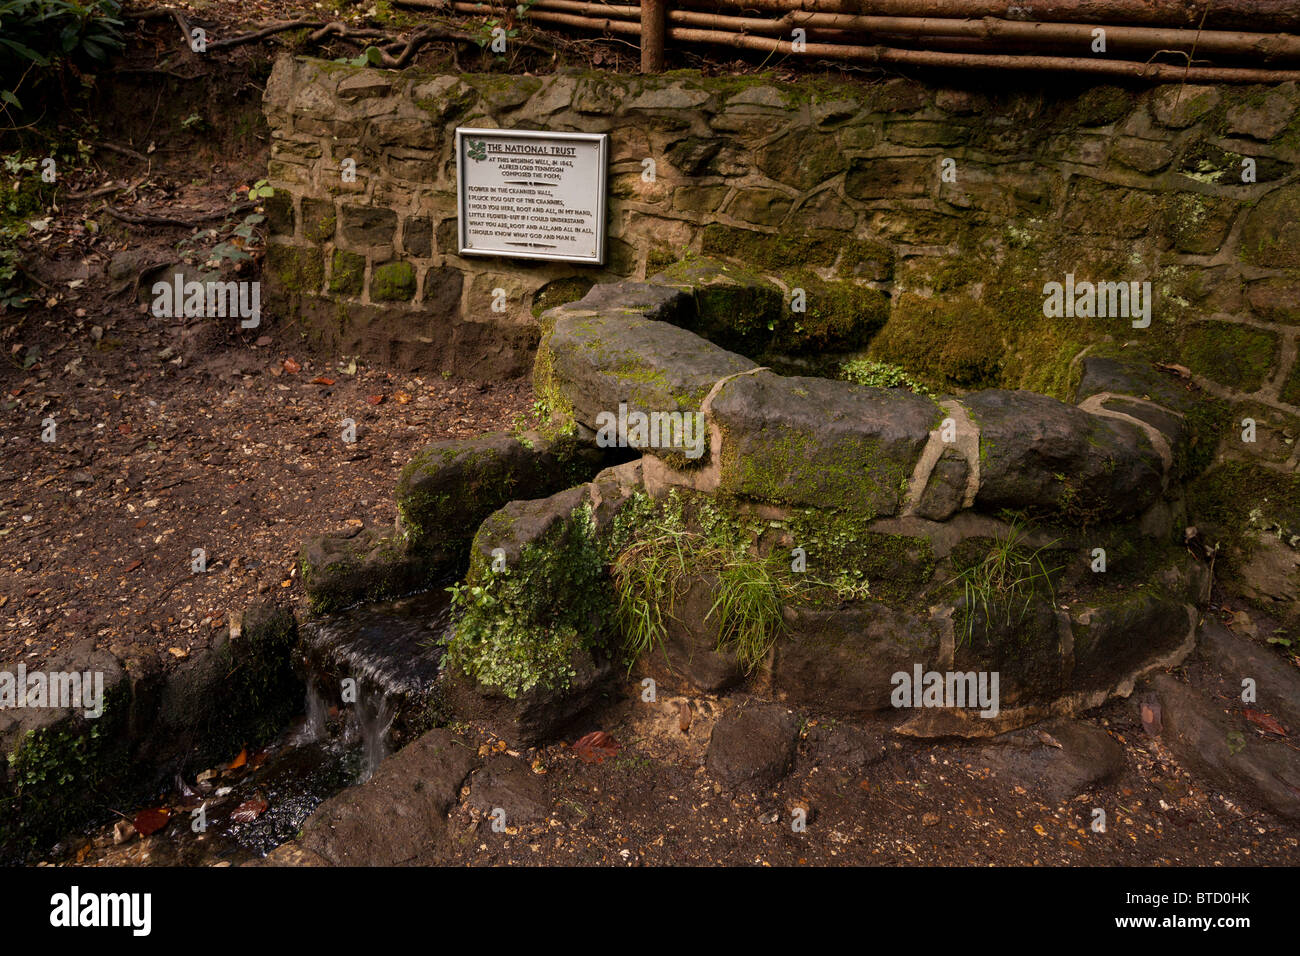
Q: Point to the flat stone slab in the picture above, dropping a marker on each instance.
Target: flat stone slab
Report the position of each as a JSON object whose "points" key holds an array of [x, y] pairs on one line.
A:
{"points": [[819, 443], [1036, 452], [602, 361]]}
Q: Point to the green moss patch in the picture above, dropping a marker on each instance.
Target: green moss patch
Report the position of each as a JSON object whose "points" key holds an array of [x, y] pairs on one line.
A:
{"points": [[392, 282]]}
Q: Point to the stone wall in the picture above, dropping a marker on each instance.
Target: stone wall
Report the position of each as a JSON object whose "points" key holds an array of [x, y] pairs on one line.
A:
{"points": [[838, 189]]}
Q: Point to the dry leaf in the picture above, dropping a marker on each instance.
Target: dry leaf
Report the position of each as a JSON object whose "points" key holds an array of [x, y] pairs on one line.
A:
{"points": [[239, 761], [1265, 723], [292, 367], [151, 821], [132, 566], [596, 746], [322, 380], [250, 810], [402, 398], [375, 399], [178, 653]]}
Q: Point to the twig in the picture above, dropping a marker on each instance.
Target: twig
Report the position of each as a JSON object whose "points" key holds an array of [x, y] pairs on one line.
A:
{"points": [[122, 150], [266, 32]]}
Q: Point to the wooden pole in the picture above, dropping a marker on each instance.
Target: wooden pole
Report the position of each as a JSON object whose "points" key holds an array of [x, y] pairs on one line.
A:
{"points": [[653, 27]]}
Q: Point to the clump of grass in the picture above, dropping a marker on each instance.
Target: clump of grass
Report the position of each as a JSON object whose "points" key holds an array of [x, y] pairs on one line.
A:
{"points": [[1003, 585], [663, 554]]}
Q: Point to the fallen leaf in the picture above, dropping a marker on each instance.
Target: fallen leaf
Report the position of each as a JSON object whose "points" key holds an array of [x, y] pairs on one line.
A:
{"points": [[151, 821], [179, 653], [239, 761], [402, 398], [250, 810], [132, 566], [322, 380], [1038, 828], [292, 367], [375, 399], [1265, 723], [4, 599], [1150, 713], [596, 746]]}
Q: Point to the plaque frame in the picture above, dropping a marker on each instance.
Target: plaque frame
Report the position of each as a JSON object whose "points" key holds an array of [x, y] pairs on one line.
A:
{"points": [[600, 140]]}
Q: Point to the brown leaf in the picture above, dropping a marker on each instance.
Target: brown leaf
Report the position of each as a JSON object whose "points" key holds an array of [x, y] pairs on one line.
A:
{"points": [[238, 761], [322, 380], [1265, 723], [292, 367], [132, 566], [1150, 713], [375, 399], [151, 821], [596, 746], [250, 810], [402, 398]]}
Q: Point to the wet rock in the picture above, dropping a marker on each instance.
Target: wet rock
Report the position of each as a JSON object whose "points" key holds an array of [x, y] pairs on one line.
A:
{"points": [[1277, 683], [649, 300], [1225, 751], [536, 715], [689, 650], [338, 571], [398, 815], [753, 745], [447, 489], [1060, 759], [508, 783], [945, 490]]}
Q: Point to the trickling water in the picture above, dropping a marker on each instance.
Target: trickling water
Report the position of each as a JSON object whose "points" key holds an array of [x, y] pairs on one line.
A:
{"points": [[371, 663], [369, 671]]}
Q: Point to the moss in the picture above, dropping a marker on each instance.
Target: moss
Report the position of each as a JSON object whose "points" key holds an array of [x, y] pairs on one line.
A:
{"points": [[1234, 355], [770, 252], [839, 547], [347, 273], [840, 316], [866, 257], [1224, 499], [1098, 106], [296, 268], [392, 282], [952, 342], [560, 292], [63, 774]]}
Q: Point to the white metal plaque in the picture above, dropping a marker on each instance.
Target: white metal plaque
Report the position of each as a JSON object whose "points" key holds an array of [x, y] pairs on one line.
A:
{"points": [[531, 194]]}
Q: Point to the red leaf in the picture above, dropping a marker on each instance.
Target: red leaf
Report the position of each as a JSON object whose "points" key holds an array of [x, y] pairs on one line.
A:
{"points": [[322, 380], [151, 821], [596, 746], [1265, 723], [375, 399], [131, 567], [250, 810], [292, 367]]}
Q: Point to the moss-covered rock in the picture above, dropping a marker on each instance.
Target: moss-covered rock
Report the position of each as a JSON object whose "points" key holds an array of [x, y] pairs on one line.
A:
{"points": [[347, 273], [1238, 356], [392, 282], [295, 268]]}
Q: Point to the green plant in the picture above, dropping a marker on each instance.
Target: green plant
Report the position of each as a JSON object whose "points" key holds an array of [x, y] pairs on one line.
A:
{"points": [[52, 35], [1003, 585], [875, 374], [518, 628], [660, 550]]}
